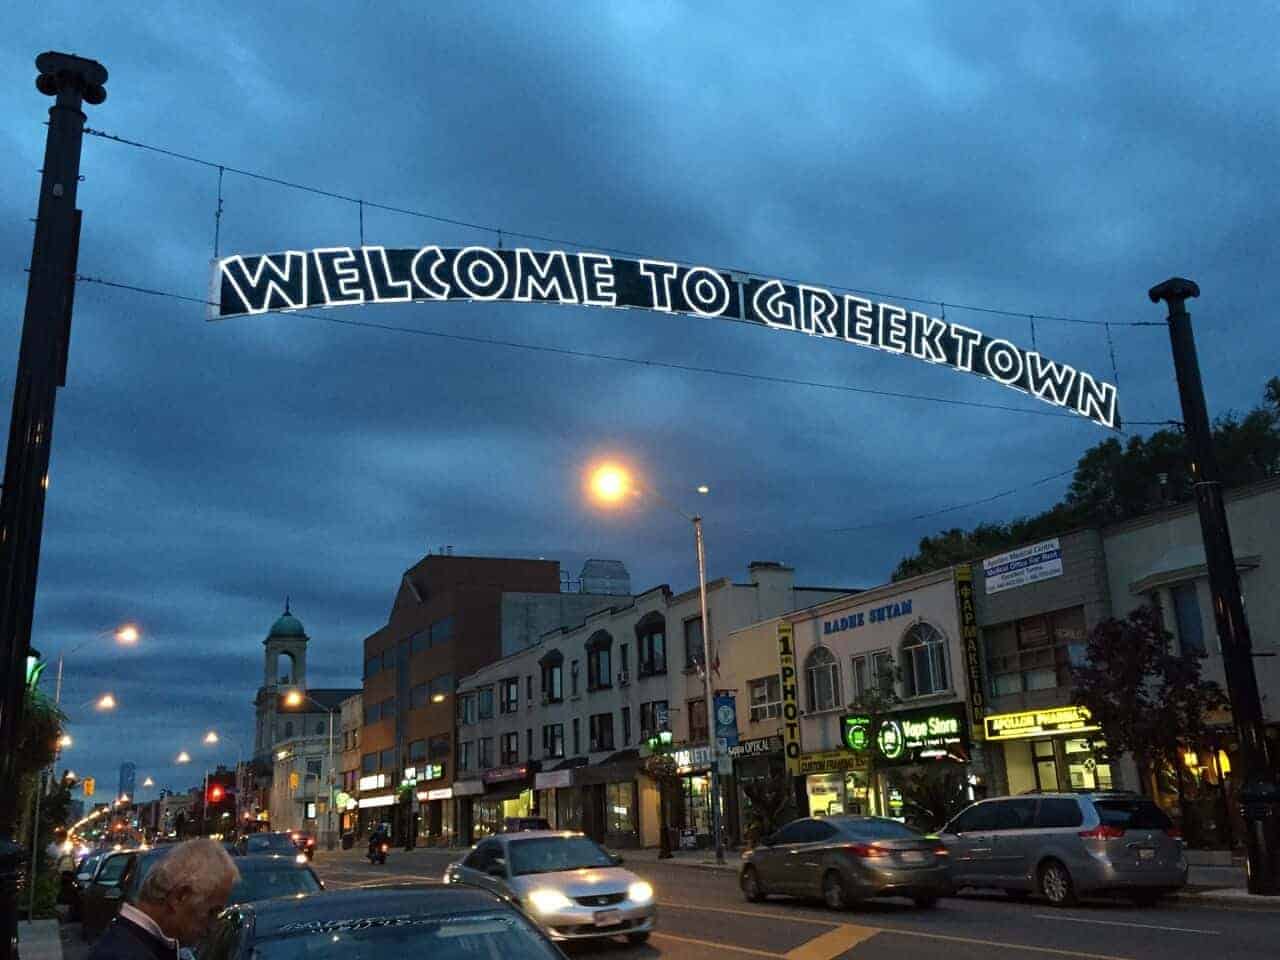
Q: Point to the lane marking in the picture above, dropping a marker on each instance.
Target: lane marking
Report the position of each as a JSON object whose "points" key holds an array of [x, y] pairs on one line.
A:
{"points": [[716, 945], [1125, 923], [776, 915], [829, 945]]}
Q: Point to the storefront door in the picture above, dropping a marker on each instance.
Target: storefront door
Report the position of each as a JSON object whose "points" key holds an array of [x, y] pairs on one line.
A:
{"points": [[1045, 761]]}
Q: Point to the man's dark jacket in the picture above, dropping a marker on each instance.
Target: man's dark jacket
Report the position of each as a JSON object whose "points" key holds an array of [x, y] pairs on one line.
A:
{"points": [[125, 940]]}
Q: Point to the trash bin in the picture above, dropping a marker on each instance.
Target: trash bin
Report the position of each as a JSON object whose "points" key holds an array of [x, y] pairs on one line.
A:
{"points": [[348, 841], [1260, 807]]}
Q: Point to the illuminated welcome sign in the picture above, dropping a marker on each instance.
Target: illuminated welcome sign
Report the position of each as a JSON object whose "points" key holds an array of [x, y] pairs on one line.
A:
{"points": [[337, 276]]}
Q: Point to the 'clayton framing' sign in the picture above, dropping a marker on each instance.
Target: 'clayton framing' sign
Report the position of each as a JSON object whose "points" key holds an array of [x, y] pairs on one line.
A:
{"points": [[335, 276]]}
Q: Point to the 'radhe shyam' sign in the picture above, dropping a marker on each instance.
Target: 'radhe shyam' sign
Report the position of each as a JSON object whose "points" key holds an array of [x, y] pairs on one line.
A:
{"points": [[335, 276]]}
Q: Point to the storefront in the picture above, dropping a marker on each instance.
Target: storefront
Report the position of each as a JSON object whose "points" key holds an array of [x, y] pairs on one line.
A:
{"points": [[1050, 749], [756, 763], [508, 792], [835, 782], [437, 825], [465, 795], [692, 813], [374, 811]]}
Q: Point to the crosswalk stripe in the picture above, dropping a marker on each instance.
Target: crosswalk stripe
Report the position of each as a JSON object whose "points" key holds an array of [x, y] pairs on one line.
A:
{"points": [[831, 944]]}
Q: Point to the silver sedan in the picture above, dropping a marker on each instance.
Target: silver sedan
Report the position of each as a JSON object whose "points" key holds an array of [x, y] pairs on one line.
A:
{"points": [[568, 884]]}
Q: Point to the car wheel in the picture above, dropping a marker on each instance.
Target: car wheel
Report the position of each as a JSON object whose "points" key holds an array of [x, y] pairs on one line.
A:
{"points": [[926, 903], [751, 888], [833, 891], [1056, 885], [638, 938]]}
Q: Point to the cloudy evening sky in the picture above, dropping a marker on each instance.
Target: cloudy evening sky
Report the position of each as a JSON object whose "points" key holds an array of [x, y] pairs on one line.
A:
{"points": [[1044, 161]]}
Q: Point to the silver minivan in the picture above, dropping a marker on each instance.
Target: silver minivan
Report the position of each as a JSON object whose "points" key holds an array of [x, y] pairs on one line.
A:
{"points": [[1066, 845]]}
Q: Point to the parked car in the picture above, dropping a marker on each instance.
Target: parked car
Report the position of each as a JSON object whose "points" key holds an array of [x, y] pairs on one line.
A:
{"points": [[1065, 845], [84, 876], [523, 824], [305, 842], [845, 859], [104, 893], [438, 922], [262, 876], [569, 885], [266, 843]]}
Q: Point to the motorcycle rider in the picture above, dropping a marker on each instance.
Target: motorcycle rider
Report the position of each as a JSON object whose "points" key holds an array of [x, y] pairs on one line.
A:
{"points": [[379, 836]]}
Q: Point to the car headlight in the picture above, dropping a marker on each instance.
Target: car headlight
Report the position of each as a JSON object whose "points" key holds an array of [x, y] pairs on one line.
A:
{"points": [[549, 901], [640, 892]]}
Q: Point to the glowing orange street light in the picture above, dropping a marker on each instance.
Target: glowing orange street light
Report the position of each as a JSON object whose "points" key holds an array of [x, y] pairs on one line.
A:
{"points": [[610, 483], [64, 741], [211, 737], [106, 702], [183, 757], [128, 634], [293, 699]]}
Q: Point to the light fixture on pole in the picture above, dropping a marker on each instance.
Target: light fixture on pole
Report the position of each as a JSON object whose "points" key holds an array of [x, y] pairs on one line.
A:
{"points": [[609, 484]]}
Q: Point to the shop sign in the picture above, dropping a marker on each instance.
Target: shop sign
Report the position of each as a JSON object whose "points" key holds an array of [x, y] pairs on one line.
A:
{"points": [[691, 758], [432, 771], [969, 644], [373, 782], [860, 618], [831, 761], [790, 701], [552, 779], [1017, 568], [909, 736], [468, 788], [427, 795], [386, 801], [341, 275], [1039, 723], [502, 774], [343, 800], [726, 720], [758, 747]]}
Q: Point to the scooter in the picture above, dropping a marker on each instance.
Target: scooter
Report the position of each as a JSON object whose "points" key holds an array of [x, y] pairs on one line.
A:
{"points": [[378, 852]]}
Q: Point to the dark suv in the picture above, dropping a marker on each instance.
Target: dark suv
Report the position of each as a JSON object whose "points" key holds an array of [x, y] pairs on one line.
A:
{"points": [[1067, 845]]}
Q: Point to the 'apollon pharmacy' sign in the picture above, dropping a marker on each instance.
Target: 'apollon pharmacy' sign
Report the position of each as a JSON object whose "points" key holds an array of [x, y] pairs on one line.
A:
{"points": [[337, 276]]}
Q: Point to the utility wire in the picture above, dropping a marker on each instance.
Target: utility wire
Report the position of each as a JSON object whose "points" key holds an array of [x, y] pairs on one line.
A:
{"points": [[542, 238], [617, 358]]}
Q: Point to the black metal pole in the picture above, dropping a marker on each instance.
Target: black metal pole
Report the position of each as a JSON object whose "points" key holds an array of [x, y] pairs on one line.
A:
{"points": [[42, 368], [1262, 800]]}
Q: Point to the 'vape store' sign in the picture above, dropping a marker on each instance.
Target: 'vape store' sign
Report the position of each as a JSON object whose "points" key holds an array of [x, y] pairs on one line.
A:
{"points": [[909, 736]]}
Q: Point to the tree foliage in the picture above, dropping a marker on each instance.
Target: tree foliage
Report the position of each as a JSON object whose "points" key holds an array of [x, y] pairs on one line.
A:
{"points": [[1147, 700], [1115, 482], [772, 805]]}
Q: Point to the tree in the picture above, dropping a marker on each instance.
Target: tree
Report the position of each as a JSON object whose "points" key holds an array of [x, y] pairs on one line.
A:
{"points": [[1148, 701], [932, 794], [772, 805]]}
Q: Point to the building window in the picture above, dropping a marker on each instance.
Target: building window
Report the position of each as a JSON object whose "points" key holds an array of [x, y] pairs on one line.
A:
{"points": [[288, 728], [510, 748], [577, 737], [438, 747], [528, 743], [872, 671], [552, 689], [601, 732], [626, 726], [369, 763], [466, 755], [372, 713], [766, 699], [697, 721], [651, 645], [419, 641], [620, 800], [624, 659], [485, 703], [388, 659], [528, 689], [510, 702], [694, 648], [418, 750], [553, 741], [653, 717], [822, 676], [1035, 653], [441, 631], [1186, 614], [320, 728], [387, 759], [573, 678], [388, 708], [598, 669], [467, 708], [372, 666], [486, 752], [418, 696], [924, 660]]}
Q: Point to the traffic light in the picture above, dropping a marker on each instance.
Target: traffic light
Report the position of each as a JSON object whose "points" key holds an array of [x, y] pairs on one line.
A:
{"points": [[216, 793]]}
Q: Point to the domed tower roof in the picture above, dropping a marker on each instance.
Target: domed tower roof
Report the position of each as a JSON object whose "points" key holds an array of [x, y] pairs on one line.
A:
{"points": [[287, 626]]}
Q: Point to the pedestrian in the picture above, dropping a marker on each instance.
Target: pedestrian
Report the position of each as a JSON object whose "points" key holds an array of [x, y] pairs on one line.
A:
{"points": [[177, 902]]}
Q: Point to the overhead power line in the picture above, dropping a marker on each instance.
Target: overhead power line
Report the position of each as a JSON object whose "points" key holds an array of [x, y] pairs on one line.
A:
{"points": [[501, 231], [616, 358]]}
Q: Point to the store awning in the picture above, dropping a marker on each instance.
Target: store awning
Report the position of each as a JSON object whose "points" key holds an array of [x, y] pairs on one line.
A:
{"points": [[615, 768]]}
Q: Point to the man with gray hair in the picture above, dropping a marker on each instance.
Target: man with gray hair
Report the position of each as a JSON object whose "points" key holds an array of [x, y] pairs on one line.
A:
{"points": [[177, 902]]}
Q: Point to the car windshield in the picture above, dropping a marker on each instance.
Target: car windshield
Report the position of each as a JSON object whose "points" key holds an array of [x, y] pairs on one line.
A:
{"points": [[1132, 815], [553, 854], [112, 870], [876, 829], [87, 868], [479, 936], [270, 843], [267, 884]]}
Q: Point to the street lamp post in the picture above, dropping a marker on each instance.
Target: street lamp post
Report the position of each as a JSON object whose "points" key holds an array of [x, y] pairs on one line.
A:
{"points": [[295, 698], [610, 484]]}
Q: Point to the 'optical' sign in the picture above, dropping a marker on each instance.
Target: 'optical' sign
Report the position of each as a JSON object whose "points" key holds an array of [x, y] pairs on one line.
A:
{"points": [[336, 276], [908, 736]]}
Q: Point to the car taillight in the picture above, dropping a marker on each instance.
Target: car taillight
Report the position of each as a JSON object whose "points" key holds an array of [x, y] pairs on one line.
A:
{"points": [[1103, 832], [869, 850], [1175, 832], [941, 851]]}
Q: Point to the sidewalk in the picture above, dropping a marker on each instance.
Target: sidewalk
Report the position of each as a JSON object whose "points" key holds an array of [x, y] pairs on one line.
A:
{"points": [[696, 859], [39, 940]]}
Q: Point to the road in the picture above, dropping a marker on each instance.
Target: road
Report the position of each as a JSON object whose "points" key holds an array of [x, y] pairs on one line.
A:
{"points": [[702, 915]]}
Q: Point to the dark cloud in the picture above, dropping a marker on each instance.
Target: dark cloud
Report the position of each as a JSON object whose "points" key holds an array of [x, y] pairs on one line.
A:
{"points": [[1048, 162]]}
